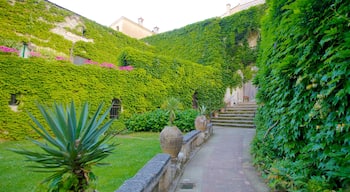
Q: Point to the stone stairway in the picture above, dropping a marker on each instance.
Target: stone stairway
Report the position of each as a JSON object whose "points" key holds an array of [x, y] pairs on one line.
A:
{"points": [[239, 116]]}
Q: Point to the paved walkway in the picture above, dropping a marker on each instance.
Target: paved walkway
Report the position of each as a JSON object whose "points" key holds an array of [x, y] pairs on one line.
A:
{"points": [[223, 164]]}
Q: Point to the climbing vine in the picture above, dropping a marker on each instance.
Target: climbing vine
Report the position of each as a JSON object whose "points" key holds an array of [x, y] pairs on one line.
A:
{"points": [[37, 80], [196, 62], [303, 123], [218, 42]]}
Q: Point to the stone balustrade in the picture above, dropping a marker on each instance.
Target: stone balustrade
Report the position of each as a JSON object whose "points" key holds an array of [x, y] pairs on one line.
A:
{"points": [[161, 173]]}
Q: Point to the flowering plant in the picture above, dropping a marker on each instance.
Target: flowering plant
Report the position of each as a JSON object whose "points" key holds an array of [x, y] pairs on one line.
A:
{"points": [[8, 49], [89, 61], [35, 54], [107, 65], [61, 58], [126, 68]]}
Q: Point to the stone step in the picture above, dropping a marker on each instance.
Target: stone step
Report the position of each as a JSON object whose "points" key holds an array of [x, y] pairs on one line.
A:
{"points": [[238, 112], [233, 125], [234, 117], [233, 121], [244, 104], [238, 116]]}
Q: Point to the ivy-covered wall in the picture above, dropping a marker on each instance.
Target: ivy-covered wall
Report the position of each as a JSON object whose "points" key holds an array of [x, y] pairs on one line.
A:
{"points": [[195, 62], [218, 42], [32, 21], [179, 75], [37, 80], [303, 122]]}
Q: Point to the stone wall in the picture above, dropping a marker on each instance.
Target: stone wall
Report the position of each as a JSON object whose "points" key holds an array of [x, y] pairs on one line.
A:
{"points": [[72, 22], [162, 173]]}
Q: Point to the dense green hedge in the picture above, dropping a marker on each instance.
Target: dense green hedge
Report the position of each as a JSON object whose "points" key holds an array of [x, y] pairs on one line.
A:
{"points": [[178, 76], [39, 80], [218, 42], [156, 120], [199, 42], [303, 123], [198, 60]]}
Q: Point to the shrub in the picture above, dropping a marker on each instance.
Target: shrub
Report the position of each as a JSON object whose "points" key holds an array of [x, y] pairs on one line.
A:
{"points": [[156, 120], [185, 120]]}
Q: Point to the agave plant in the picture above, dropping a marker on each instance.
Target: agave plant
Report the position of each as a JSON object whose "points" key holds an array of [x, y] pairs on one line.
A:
{"points": [[72, 143]]}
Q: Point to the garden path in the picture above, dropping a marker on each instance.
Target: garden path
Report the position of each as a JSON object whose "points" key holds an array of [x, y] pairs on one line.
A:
{"points": [[223, 164]]}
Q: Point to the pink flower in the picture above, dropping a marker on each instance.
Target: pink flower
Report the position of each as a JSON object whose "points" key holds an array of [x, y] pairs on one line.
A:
{"points": [[61, 58], [88, 61], [126, 68], [35, 54], [108, 65], [8, 49]]}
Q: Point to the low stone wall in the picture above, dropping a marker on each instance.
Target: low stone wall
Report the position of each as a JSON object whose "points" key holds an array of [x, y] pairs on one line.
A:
{"points": [[161, 173]]}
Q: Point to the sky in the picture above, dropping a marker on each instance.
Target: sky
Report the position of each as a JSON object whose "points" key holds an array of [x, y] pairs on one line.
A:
{"points": [[165, 14]]}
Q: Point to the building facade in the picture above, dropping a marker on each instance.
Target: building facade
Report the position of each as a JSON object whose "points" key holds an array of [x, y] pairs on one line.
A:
{"points": [[243, 5], [133, 29]]}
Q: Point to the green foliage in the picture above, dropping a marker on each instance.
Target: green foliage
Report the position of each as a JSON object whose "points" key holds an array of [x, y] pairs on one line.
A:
{"points": [[171, 106], [206, 72], [185, 120], [118, 127], [150, 121], [107, 45], [182, 78], [36, 79], [32, 21], [78, 144], [303, 124], [218, 42], [198, 42], [202, 110], [15, 177], [156, 120]]}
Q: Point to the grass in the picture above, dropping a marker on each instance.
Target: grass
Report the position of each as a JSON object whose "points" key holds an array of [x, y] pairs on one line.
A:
{"points": [[132, 153]]}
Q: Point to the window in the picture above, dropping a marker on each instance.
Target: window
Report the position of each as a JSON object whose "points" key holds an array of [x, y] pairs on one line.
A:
{"points": [[195, 100], [116, 109], [13, 100]]}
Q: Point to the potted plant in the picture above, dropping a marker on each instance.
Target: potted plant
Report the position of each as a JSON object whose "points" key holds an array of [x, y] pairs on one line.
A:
{"points": [[171, 137], [201, 120]]}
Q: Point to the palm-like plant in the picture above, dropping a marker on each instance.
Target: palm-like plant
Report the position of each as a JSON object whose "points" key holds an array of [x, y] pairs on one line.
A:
{"points": [[201, 120], [202, 110], [73, 143], [171, 105]]}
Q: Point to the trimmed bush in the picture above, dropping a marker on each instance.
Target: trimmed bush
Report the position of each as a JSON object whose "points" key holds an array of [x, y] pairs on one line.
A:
{"points": [[156, 120]]}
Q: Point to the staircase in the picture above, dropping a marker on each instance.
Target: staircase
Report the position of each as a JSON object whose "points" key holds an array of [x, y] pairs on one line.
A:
{"points": [[239, 116]]}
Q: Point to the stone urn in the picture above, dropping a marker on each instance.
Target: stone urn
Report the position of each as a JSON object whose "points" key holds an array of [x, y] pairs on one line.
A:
{"points": [[171, 140], [200, 123]]}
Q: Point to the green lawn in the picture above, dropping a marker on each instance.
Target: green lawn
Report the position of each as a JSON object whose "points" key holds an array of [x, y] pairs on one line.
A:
{"points": [[132, 153]]}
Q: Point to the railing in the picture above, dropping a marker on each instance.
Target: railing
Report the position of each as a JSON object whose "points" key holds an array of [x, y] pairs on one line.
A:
{"points": [[161, 173]]}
